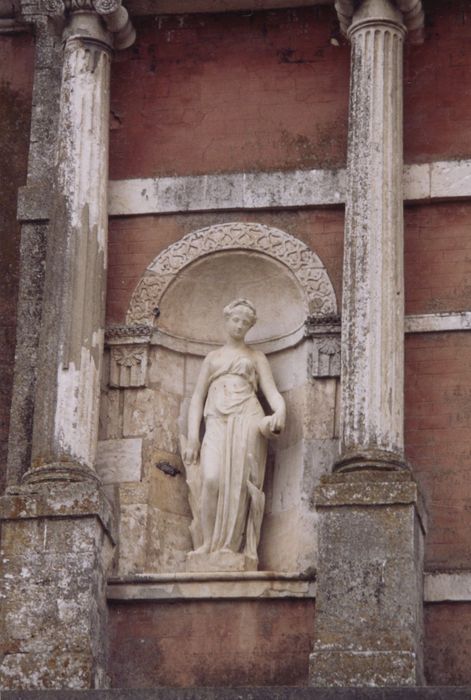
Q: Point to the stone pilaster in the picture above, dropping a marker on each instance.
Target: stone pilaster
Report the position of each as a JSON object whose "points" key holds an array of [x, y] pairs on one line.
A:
{"points": [[369, 599], [46, 88], [56, 528]]}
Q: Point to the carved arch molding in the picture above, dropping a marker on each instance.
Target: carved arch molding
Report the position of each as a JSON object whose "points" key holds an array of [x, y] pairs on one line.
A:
{"points": [[305, 265]]}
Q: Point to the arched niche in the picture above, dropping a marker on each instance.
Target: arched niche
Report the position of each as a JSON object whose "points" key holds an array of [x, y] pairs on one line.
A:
{"points": [[190, 282]]}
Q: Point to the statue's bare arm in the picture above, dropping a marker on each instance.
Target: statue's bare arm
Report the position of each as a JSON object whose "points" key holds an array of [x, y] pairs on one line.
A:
{"points": [[195, 413], [271, 393]]}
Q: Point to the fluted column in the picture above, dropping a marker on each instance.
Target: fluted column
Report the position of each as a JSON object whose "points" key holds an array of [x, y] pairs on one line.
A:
{"points": [[372, 416], [71, 342], [369, 598]]}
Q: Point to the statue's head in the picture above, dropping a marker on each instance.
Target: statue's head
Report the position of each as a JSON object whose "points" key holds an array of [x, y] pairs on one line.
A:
{"points": [[240, 315]]}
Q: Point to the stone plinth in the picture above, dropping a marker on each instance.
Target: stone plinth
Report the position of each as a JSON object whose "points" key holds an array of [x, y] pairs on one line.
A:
{"points": [[56, 548], [369, 586]]}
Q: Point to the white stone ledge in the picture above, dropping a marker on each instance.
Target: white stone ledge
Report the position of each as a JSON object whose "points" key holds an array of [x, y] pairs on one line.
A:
{"points": [[441, 180], [295, 188], [439, 587], [194, 586], [438, 322], [429, 182], [447, 587]]}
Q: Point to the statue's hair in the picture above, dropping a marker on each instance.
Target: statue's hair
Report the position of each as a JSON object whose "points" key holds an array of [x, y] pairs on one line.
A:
{"points": [[228, 310]]}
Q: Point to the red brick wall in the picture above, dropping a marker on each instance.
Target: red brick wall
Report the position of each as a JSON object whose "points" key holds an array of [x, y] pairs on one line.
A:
{"points": [[210, 643], [16, 59], [448, 644], [229, 92], [249, 91], [438, 441], [437, 246], [437, 78]]}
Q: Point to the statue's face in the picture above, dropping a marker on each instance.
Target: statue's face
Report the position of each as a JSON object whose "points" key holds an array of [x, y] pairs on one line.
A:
{"points": [[239, 322]]}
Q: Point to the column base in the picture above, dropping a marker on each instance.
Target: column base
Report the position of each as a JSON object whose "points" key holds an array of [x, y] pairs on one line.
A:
{"points": [[369, 581], [373, 460], [60, 471], [57, 541]]}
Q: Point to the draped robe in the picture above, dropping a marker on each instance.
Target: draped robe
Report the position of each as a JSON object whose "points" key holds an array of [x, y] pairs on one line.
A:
{"points": [[233, 441]]}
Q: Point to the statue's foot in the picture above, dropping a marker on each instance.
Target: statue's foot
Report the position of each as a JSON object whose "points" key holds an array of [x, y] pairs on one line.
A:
{"points": [[204, 549]]}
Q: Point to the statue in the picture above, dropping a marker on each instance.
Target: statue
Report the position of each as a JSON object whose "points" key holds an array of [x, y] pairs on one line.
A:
{"points": [[225, 474]]}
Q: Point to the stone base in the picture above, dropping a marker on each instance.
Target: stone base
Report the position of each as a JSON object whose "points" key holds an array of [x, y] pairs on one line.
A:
{"points": [[358, 668], [56, 548], [369, 581], [220, 561]]}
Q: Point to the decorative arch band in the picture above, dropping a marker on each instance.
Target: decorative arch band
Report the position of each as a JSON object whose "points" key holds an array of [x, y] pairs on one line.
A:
{"points": [[299, 259]]}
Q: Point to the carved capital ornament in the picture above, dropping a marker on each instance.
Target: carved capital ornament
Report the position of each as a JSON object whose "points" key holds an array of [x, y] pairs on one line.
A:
{"points": [[114, 15]]}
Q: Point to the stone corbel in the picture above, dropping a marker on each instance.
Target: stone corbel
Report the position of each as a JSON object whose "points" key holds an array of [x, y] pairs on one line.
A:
{"points": [[324, 357], [412, 15], [129, 352], [114, 15]]}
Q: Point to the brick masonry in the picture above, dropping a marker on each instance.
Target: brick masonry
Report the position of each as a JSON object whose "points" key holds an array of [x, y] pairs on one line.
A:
{"points": [[448, 644], [210, 643], [15, 107], [438, 441], [229, 92]]}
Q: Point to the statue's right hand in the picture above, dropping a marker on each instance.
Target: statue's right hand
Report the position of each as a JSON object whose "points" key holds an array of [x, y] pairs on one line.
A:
{"points": [[192, 451]]}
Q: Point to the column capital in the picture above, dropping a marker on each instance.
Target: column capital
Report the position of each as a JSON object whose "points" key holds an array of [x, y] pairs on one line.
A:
{"points": [[410, 12], [115, 20]]}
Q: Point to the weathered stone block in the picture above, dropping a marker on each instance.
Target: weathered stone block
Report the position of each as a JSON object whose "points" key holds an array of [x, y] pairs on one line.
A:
{"points": [[132, 537], [138, 415], [119, 460], [369, 597], [56, 548], [169, 541], [110, 415], [168, 489]]}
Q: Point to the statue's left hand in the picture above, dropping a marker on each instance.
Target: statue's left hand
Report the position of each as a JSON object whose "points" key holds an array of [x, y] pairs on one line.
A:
{"points": [[277, 422]]}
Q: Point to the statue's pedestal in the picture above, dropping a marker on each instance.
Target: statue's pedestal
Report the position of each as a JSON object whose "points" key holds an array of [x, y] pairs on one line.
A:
{"points": [[220, 561]]}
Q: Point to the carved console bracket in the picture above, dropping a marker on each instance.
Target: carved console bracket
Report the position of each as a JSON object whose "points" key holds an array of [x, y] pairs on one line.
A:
{"points": [[129, 351], [412, 14], [324, 357]]}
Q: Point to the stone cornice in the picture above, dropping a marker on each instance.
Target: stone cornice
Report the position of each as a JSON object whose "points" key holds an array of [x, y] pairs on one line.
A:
{"points": [[412, 15]]}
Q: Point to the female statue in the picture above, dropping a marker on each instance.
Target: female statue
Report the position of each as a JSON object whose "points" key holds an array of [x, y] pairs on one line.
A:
{"points": [[226, 490]]}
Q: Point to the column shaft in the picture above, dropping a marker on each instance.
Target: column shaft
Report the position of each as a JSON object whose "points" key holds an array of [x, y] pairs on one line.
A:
{"points": [[71, 345], [373, 286]]}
